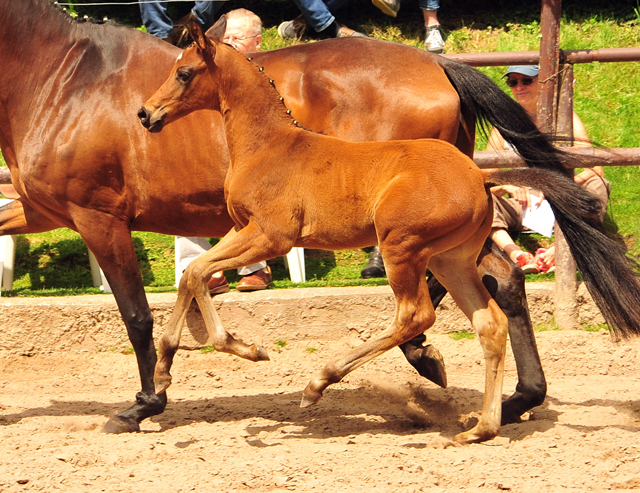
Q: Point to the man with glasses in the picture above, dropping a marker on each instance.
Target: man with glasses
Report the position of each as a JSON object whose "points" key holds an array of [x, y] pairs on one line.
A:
{"points": [[244, 33], [508, 211], [244, 30]]}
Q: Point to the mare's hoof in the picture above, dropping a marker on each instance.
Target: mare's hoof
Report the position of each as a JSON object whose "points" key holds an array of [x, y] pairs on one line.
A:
{"points": [[117, 425], [262, 354]]}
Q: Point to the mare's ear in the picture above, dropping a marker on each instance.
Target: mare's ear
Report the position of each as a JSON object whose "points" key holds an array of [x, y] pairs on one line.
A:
{"points": [[216, 32], [202, 42]]}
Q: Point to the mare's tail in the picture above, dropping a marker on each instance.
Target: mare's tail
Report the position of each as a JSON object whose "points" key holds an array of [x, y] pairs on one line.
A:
{"points": [[490, 105], [610, 275]]}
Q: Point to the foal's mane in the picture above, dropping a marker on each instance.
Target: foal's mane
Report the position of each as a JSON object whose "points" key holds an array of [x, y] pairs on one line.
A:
{"points": [[273, 85]]}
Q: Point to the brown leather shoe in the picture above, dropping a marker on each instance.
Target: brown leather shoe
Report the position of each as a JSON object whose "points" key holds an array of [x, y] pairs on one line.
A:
{"points": [[255, 282], [218, 283]]}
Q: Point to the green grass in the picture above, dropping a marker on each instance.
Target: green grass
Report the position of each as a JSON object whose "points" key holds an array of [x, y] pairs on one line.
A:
{"points": [[462, 334], [607, 100]]}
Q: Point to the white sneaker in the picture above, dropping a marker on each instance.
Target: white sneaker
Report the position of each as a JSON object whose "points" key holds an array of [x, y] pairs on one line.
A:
{"points": [[434, 42]]}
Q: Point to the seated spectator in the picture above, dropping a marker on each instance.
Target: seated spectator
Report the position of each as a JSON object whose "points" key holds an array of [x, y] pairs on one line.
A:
{"points": [[243, 32], [508, 211], [317, 21]]}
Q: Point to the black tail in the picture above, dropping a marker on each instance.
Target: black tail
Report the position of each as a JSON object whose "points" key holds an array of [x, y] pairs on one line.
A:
{"points": [[491, 105], [601, 258], [610, 275]]}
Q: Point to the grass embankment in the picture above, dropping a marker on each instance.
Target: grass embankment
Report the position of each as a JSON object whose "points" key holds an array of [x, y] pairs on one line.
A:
{"points": [[606, 99]]}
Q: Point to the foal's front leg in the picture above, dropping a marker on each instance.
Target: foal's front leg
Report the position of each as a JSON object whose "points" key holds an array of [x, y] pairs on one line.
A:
{"points": [[236, 249]]}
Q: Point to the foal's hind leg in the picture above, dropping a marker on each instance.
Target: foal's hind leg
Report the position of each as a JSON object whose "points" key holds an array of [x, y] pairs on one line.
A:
{"points": [[505, 282], [414, 315], [236, 249], [458, 273]]}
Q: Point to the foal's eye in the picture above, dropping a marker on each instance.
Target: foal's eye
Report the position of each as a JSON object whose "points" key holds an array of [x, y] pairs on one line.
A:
{"points": [[183, 76]]}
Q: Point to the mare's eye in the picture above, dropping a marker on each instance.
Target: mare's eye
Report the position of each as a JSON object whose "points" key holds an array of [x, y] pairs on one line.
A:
{"points": [[183, 76]]}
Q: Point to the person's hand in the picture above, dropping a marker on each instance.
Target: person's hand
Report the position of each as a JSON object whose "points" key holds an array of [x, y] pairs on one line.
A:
{"points": [[547, 259], [524, 197]]}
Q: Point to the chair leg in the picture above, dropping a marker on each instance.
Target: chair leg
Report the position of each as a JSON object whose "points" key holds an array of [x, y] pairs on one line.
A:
{"points": [[97, 275], [7, 257], [295, 264]]}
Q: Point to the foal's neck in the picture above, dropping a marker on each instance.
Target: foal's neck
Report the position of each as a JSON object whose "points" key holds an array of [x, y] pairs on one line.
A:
{"points": [[254, 113]]}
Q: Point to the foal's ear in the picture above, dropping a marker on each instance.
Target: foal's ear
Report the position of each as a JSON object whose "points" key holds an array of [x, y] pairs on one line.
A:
{"points": [[216, 32], [203, 43]]}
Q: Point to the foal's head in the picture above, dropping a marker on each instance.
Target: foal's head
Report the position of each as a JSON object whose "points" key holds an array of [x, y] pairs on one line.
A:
{"points": [[190, 86]]}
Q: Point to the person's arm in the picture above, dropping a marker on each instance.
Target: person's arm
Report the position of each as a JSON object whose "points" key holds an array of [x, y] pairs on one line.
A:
{"points": [[581, 139], [495, 143]]}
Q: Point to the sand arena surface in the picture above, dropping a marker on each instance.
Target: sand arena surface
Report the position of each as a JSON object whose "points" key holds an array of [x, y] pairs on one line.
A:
{"points": [[232, 425]]}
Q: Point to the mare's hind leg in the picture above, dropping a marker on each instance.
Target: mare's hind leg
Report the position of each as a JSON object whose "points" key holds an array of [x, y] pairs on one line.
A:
{"points": [[506, 283], [245, 247], [414, 315], [457, 271]]}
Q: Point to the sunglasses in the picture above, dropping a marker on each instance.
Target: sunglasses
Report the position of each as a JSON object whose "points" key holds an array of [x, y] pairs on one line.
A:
{"points": [[526, 81]]}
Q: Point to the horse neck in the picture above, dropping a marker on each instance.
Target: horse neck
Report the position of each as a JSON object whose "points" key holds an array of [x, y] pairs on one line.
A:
{"points": [[48, 58], [253, 111]]}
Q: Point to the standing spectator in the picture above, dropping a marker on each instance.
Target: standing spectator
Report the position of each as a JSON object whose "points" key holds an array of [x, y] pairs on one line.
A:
{"points": [[433, 36], [155, 19], [317, 14]]}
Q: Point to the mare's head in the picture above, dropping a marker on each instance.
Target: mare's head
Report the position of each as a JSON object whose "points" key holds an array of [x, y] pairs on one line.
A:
{"points": [[190, 86]]}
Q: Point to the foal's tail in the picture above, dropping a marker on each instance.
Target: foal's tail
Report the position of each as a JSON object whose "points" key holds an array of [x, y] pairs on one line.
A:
{"points": [[610, 275], [492, 106]]}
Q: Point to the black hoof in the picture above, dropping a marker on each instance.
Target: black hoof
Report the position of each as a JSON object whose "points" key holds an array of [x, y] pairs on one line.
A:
{"points": [[117, 425], [427, 360]]}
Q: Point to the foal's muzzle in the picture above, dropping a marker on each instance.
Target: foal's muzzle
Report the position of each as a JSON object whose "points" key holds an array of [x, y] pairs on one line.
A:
{"points": [[151, 123]]}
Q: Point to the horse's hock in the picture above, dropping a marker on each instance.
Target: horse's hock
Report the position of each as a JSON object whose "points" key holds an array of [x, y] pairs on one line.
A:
{"points": [[92, 323]]}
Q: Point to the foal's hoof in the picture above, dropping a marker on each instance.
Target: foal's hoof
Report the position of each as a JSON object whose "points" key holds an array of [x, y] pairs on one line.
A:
{"points": [[308, 401], [117, 425], [162, 385], [310, 396], [262, 354], [435, 364]]}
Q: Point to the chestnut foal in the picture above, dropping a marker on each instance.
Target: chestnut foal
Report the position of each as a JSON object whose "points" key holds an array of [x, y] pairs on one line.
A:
{"points": [[424, 202], [320, 192]]}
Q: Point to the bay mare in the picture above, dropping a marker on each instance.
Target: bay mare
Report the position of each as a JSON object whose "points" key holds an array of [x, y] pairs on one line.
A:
{"points": [[423, 201], [69, 91]]}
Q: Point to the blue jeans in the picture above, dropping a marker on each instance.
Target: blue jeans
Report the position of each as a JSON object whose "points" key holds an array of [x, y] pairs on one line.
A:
{"points": [[429, 4], [318, 13], [154, 16]]}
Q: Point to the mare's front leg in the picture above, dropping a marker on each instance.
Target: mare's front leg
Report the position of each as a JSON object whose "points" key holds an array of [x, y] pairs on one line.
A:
{"points": [[506, 283], [238, 248], [110, 241]]}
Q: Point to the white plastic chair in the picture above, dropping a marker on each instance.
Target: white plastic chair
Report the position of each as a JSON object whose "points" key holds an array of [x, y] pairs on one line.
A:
{"points": [[294, 262]]}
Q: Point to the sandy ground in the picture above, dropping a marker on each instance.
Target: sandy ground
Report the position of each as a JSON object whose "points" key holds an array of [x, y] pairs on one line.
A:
{"points": [[232, 425]]}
